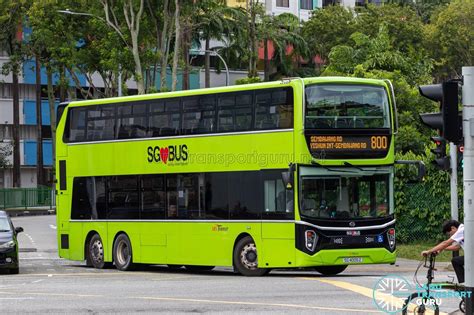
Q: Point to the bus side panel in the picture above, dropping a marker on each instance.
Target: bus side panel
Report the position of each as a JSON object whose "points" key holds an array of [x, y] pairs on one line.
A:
{"points": [[76, 243], [212, 244], [154, 242], [173, 231], [278, 244]]}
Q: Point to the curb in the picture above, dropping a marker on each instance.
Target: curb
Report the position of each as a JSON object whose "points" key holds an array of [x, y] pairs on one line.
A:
{"points": [[24, 213]]}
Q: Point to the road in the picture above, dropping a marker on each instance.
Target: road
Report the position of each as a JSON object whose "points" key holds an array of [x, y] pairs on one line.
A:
{"points": [[48, 284]]}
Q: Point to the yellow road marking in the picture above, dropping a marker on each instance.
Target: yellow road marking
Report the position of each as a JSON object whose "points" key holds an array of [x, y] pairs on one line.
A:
{"points": [[387, 298]]}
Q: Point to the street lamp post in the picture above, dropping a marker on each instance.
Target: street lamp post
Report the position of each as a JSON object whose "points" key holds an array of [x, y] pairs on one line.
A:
{"points": [[119, 76], [225, 65], [213, 52]]}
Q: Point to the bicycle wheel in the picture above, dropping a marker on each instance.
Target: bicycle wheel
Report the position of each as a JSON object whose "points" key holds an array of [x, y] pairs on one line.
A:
{"points": [[421, 305]]}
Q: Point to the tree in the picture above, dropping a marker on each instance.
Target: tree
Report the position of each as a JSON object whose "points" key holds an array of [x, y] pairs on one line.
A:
{"points": [[128, 15], [215, 20], [255, 11], [5, 153], [450, 38], [328, 27], [283, 31], [11, 15]]}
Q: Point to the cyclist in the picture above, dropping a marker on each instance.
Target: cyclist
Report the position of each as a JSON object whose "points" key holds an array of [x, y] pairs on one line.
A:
{"points": [[455, 231]]}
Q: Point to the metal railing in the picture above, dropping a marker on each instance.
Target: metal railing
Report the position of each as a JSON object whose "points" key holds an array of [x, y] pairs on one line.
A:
{"points": [[27, 199]]}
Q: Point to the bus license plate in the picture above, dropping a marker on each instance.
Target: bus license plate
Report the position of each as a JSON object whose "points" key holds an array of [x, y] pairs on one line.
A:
{"points": [[352, 260]]}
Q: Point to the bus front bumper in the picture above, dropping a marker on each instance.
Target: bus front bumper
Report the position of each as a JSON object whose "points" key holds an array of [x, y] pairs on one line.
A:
{"points": [[363, 256]]}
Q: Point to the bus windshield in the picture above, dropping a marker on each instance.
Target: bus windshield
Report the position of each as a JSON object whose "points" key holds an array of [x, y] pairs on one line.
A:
{"points": [[340, 106], [345, 197]]}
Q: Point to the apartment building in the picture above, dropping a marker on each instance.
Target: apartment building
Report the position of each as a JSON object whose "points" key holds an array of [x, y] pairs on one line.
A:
{"points": [[301, 8]]}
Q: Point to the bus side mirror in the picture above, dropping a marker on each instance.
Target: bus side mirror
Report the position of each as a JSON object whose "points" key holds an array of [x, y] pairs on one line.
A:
{"points": [[288, 178], [421, 170]]}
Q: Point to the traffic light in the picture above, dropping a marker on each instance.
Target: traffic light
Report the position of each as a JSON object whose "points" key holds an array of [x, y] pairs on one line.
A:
{"points": [[448, 121], [461, 157], [441, 161]]}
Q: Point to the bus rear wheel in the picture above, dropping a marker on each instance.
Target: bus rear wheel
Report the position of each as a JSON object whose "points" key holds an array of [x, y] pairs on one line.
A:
{"points": [[330, 270], [246, 259], [95, 252], [122, 253]]}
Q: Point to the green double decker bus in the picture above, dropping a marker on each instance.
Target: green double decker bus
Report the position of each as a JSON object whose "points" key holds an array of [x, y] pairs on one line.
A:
{"points": [[296, 173]]}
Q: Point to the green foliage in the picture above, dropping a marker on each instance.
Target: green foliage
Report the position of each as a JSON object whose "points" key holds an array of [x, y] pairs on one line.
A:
{"points": [[248, 80], [421, 208], [5, 153], [413, 251], [328, 27], [450, 38]]}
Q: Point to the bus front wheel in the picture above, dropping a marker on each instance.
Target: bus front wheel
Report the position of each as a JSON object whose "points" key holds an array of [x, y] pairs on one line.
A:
{"points": [[246, 260], [330, 270], [122, 253], [96, 252]]}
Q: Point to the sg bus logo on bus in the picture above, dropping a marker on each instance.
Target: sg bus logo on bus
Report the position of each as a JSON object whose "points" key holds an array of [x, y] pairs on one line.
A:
{"points": [[171, 153]]}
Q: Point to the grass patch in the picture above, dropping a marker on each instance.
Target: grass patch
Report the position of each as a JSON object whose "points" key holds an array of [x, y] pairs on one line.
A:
{"points": [[413, 251]]}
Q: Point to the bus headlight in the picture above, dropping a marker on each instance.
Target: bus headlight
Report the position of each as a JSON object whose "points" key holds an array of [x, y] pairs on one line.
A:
{"points": [[9, 244], [391, 238], [311, 238]]}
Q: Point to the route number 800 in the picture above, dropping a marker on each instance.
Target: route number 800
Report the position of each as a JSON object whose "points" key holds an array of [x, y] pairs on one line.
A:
{"points": [[378, 142]]}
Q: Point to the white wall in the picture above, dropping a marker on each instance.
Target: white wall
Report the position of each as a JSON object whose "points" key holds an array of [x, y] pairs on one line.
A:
{"points": [[28, 178], [218, 79], [6, 112], [348, 3]]}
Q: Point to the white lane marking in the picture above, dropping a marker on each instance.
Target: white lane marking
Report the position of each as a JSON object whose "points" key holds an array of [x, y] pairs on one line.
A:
{"points": [[39, 258], [25, 298], [38, 281], [52, 226]]}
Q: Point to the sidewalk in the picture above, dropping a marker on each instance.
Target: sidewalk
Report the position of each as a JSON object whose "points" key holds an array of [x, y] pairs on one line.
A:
{"points": [[15, 212]]}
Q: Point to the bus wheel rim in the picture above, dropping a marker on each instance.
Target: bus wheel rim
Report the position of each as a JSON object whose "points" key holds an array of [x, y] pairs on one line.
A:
{"points": [[123, 253], [97, 251], [248, 256]]}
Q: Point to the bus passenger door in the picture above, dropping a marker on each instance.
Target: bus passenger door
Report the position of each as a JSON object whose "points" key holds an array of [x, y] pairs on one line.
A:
{"points": [[278, 230]]}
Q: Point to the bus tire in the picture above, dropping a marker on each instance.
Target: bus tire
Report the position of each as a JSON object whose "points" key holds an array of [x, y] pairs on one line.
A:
{"points": [[95, 252], [14, 271], [198, 268], [246, 260], [122, 253], [330, 270]]}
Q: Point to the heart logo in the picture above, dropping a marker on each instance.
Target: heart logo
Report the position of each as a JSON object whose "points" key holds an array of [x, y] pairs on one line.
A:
{"points": [[164, 152]]}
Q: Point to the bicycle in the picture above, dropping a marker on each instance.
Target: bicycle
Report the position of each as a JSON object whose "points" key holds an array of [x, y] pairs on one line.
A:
{"points": [[425, 298]]}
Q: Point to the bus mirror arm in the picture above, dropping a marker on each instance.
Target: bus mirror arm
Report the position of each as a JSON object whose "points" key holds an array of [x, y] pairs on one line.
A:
{"points": [[288, 177], [421, 169]]}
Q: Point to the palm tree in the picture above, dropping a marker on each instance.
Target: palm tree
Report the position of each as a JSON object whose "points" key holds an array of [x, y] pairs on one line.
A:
{"points": [[283, 31], [219, 22]]}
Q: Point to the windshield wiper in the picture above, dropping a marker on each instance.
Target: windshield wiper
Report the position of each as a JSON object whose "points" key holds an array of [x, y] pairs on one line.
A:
{"points": [[330, 169], [4, 230], [352, 165]]}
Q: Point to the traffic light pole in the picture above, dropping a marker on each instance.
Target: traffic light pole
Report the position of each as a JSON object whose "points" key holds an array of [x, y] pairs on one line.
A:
{"points": [[454, 181], [468, 130]]}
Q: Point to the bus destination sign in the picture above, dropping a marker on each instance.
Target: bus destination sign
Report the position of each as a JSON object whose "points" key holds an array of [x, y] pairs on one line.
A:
{"points": [[348, 146]]}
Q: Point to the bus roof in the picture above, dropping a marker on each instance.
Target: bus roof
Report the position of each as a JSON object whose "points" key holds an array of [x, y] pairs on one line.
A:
{"points": [[232, 88]]}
